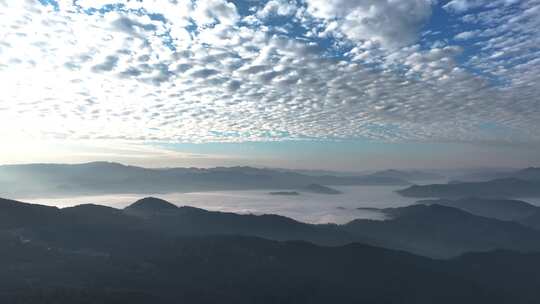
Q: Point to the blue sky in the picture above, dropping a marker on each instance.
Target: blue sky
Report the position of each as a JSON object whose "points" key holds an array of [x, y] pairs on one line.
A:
{"points": [[209, 82]]}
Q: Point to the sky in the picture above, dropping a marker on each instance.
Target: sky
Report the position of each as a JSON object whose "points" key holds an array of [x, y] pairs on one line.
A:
{"points": [[325, 84]]}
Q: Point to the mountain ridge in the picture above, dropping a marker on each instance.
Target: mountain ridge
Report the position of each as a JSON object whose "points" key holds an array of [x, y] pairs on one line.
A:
{"points": [[412, 228], [106, 178], [498, 188]]}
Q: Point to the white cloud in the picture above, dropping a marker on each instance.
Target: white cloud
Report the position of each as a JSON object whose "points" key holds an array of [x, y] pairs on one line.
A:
{"points": [[466, 35], [277, 8], [215, 11], [392, 23], [462, 6], [121, 75]]}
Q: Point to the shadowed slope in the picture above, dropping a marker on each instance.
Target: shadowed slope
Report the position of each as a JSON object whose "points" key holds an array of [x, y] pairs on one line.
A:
{"points": [[440, 231], [506, 210]]}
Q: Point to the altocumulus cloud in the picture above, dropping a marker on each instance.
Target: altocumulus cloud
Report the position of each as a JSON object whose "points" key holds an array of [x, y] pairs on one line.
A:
{"points": [[217, 70]]}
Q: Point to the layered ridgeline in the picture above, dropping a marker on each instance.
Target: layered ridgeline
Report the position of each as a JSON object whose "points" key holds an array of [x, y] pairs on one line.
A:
{"points": [[409, 175], [320, 189], [312, 188], [155, 252], [523, 183], [430, 230], [502, 209], [103, 177], [441, 231], [530, 173]]}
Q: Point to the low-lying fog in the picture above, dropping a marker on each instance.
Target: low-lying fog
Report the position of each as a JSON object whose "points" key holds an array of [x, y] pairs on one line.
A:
{"points": [[306, 207]]}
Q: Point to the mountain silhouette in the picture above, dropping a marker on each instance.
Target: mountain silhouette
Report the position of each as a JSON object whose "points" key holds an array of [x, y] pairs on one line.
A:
{"points": [[435, 231], [498, 188], [149, 205], [530, 174], [502, 209], [532, 220], [320, 189], [185, 220], [14, 214], [442, 232], [96, 254], [408, 175], [286, 193], [103, 177]]}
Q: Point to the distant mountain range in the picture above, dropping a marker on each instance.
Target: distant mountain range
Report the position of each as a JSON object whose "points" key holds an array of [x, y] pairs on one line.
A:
{"points": [[405, 174], [517, 184], [502, 209], [311, 188], [285, 193], [320, 189], [156, 252], [104, 178], [497, 188], [441, 232], [531, 173], [408, 175]]}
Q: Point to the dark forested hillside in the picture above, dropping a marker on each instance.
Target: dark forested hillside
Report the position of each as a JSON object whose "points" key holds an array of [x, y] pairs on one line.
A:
{"points": [[440, 231], [155, 252]]}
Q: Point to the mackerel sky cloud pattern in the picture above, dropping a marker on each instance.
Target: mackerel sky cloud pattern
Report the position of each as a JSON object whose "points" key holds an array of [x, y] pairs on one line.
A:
{"points": [[218, 70]]}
